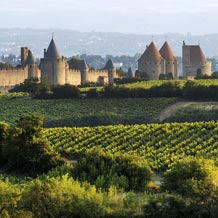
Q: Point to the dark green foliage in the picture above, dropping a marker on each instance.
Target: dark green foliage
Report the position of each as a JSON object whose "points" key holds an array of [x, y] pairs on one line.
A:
{"points": [[33, 86], [66, 91], [176, 206], [104, 170], [3, 134], [74, 63], [192, 178], [25, 148], [6, 66], [126, 80]]}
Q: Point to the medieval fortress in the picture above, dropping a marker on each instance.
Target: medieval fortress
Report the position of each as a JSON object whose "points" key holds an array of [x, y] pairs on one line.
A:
{"points": [[156, 64], [54, 68], [153, 64]]}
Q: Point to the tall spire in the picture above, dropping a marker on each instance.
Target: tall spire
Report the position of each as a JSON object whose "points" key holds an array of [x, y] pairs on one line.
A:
{"points": [[30, 58], [52, 51]]}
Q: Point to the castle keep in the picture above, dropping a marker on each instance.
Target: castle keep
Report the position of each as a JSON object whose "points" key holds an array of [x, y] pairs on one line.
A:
{"points": [[54, 68], [156, 64], [194, 61]]}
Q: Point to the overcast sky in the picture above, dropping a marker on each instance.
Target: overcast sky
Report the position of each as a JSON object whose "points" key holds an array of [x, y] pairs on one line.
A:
{"points": [[127, 16]]}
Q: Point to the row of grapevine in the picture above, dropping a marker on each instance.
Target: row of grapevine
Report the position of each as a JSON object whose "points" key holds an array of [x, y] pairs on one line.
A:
{"points": [[160, 144]]}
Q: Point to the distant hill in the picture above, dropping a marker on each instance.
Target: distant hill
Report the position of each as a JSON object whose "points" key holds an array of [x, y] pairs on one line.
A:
{"points": [[73, 42]]}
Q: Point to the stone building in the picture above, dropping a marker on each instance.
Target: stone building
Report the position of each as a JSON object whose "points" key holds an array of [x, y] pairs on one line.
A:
{"points": [[171, 62], [54, 68], [194, 61], [156, 64]]}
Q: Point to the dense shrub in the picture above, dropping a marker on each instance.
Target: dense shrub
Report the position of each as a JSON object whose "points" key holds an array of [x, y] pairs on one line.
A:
{"points": [[26, 150], [66, 91], [105, 170]]}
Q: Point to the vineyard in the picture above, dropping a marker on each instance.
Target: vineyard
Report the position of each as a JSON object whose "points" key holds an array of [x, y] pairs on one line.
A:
{"points": [[160, 144], [181, 83], [196, 111], [84, 112]]}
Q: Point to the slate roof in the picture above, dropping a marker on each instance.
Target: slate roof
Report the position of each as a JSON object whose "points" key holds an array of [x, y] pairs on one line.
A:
{"points": [[109, 65], [83, 65], [30, 58], [52, 51]]}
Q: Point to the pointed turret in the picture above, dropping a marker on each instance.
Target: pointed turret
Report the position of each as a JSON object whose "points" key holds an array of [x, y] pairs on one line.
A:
{"points": [[151, 54], [30, 58], [52, 51], [167, 53], [130, 73], [83, 65], [109, 65]]}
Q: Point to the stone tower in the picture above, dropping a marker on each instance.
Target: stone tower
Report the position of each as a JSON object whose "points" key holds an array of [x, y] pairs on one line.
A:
{"points": [[151, 63], [171, 64], [53, 65], [194, 61], [24, 55], [111, 71], [84, 69], [130, 73], [33, 71]]}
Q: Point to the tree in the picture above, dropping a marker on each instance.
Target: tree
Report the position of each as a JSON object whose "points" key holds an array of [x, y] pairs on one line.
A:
{"points": [[74, 63], [25, 148]]}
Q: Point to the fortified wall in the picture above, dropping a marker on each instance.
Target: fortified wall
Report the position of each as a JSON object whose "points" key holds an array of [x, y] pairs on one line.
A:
{"points": [[54, 68]]}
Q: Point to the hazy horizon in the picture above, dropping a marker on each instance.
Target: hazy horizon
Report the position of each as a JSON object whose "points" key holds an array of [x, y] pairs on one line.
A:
{"points": [[140, 16]]}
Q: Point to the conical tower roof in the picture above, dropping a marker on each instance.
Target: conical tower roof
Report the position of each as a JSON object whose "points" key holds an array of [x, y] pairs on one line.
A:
{"points": [[109, 65], [52, 51], [30, 58], [151, 54], [167, 53], [130, 73], [83, 65], [196, 54]]}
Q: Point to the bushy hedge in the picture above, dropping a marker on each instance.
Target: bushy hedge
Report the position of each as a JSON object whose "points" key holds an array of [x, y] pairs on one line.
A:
{"points": [[105, 170]]}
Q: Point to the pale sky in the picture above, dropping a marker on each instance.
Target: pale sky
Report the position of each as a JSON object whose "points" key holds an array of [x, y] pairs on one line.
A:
{"points": [[135, 16]]}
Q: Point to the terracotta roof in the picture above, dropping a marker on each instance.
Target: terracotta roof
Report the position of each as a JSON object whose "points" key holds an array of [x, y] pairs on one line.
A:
{"points": [[109, 65], [83, 65], [167, 53], [52, 51], [151, 54], [30, 58], [196, 54]]}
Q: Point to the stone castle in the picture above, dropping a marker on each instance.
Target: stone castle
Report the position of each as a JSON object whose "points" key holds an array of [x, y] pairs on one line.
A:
{"points": [[54, 68], [154, 64], [194, 61]]}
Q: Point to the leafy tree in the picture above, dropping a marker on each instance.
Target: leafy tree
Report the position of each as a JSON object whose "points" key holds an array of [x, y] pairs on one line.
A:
{"points": [[74, 63], [25, 148], [62, 197]]}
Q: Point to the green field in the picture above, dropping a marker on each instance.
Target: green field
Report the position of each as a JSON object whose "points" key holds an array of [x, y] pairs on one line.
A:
{"points": [[84, 112], [196, 111], [160, 144]]}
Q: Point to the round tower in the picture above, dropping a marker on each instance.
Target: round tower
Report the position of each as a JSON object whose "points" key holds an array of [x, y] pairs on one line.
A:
{"points": [[111, 71], [84, 69], [171, 64], [151, 63], [32, 66], [53, 65]]}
